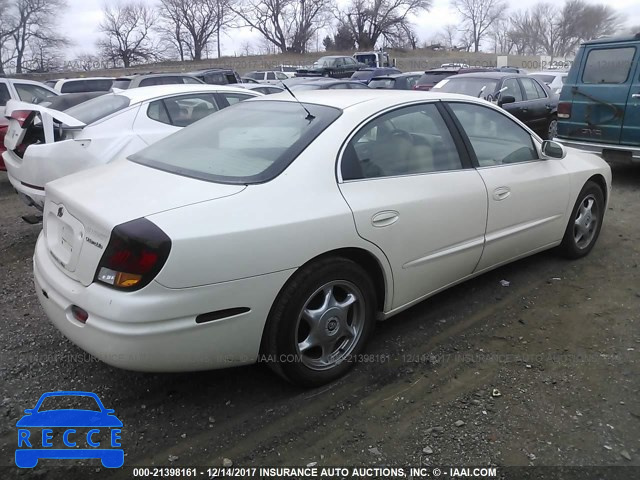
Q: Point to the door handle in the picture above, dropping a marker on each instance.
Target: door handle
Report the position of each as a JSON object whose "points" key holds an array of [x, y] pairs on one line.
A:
{"points": [[635, 95], [501, 193], [385, 218]]}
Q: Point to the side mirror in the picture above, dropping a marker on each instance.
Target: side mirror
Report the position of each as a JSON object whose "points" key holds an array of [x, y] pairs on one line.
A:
{"points": [[551, 149], [506, 99]]}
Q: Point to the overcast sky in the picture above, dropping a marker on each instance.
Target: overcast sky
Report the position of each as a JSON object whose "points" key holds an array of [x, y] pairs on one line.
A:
{"points": [[80, 23]]}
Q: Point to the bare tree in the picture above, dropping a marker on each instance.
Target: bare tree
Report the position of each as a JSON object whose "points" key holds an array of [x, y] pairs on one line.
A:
{"points": [[478, 16], [192, 24], [287, 24], [25, 22], [370, 20], [127, 28], [557, 31], [448, 36]]}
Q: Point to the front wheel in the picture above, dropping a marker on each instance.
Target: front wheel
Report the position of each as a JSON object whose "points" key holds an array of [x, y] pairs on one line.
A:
{"points": [[322, 319], [585, 222]]}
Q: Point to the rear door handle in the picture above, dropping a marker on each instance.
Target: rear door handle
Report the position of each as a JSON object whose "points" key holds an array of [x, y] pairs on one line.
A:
{"points": [[635, 95], [385, 218], [501, 193]]}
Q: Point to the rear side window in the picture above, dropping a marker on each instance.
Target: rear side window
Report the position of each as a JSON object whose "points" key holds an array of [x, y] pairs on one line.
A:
{"points": [[32, 93], [271, 76], [231, 78], [184, 110], [407, 141], [608, 65], [215, 79], [98, 108], [530, 91]]}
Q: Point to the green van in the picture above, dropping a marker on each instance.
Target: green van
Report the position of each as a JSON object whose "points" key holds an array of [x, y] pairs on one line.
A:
{"points": [[599, 108]]}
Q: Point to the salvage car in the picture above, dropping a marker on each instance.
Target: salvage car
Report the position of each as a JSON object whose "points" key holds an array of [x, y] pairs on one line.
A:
{"points": [[293, 224], [44, 144], [526, 98]]}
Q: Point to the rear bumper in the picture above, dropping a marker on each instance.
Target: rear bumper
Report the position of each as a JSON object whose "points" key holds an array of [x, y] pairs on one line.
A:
{"points": [[155, 329], [598, 148], [30, 195]]}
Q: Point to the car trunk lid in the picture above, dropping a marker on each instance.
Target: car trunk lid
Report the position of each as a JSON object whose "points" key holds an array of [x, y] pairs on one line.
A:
{"points": [[82, 209], [30, 123]]}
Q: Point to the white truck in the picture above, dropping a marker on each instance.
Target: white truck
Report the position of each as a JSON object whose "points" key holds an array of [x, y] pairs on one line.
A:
{"points": [[375, 59]]}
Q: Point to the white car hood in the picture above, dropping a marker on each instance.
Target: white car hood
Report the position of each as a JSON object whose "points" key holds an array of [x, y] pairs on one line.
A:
{"points": [[82, 209]]}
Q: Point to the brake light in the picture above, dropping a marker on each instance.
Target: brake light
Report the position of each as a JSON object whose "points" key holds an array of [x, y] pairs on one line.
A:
{"points": [[564, 110], [136, 253], [22, 116]]}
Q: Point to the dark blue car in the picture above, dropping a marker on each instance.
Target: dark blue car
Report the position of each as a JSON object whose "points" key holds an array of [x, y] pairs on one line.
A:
{"points": [[36, 432]]}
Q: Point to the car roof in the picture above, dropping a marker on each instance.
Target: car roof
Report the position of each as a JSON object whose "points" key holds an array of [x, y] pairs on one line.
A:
{"points": [[344, 99], [74, 79], [253, 86], [210, 70], [492, 75], [595, 41], [142, 94], [397, 75], [551, 72]]}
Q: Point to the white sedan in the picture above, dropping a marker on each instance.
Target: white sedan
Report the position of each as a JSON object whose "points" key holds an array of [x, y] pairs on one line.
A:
{"points": [[44, 144], [290, 228]]}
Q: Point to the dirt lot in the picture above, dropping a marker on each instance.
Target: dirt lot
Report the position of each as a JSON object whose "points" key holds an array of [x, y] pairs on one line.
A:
{"points": [[560, 345]]}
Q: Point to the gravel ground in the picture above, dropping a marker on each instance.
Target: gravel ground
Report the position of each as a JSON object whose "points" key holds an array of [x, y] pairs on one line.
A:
{"points": [[541, 372]]}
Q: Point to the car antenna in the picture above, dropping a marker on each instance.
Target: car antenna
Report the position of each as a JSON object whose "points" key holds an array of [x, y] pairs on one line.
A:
{"points": [[309, 117]]}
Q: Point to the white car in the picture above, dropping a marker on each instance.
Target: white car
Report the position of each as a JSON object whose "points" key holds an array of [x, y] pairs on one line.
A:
{"points": [[268, 76], [86, 84], [290, 228], [44, 144], [553, 79], [24, 90]]}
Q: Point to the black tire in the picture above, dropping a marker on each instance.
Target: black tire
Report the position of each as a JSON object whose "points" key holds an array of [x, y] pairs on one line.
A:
{"points": [[571, 247], [286, 325], [552, 121]]}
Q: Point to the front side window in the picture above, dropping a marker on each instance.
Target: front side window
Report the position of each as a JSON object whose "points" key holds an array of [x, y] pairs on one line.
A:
{"points": [[183, 110], [495, 138], [252, 142], [608, 65], [513, 89], [281, 76], [410, 140]]}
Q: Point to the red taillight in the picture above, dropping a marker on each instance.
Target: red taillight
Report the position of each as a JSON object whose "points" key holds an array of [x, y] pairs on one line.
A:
{"points": [[79, 314], [564, 110], [22, 115], [136, 252]]}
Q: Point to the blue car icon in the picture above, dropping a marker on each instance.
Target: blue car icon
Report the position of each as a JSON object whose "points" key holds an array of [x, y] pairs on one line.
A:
{"points": [[78, 427]]}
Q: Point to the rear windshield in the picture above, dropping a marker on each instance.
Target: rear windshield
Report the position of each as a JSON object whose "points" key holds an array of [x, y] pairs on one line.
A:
{"points": [[544, 78], [362, 75], [467, 86], [98, 108], [382, 83], [250, 142], [89, 85], [121, 83], [305, 86], [433, 77]]}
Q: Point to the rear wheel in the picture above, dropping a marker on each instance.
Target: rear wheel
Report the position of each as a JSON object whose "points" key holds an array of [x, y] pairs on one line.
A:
{"points": [[321, 319], [552, 128], [585, 222]]}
